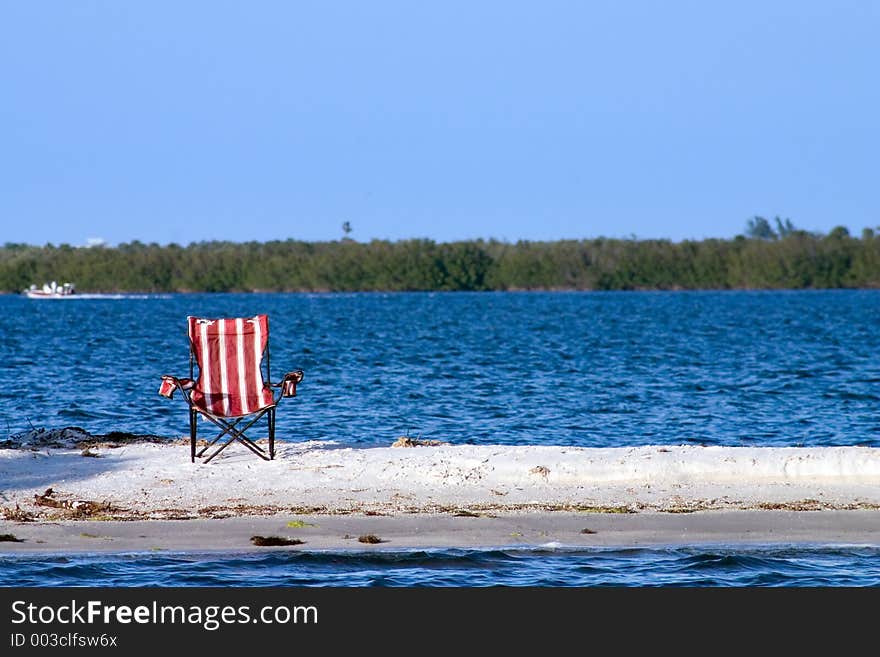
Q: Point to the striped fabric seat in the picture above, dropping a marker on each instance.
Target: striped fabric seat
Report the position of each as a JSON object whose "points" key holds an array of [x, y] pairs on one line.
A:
{"points": [[229, 353]]}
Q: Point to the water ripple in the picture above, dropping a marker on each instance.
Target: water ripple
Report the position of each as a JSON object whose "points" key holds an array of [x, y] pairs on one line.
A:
{"points": [[679, 566]]}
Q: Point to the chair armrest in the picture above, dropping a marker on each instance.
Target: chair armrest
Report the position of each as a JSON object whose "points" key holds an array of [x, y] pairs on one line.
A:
{"points": [[288, 383], [171, 383]]}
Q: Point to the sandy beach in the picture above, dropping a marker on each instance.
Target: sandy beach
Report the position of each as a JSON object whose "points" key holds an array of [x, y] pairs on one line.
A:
{"points": [[552, 530], [80, 493]]}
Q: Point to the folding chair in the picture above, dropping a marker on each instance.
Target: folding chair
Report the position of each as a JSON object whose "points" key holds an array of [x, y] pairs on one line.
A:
{"points": [[230, 390]]}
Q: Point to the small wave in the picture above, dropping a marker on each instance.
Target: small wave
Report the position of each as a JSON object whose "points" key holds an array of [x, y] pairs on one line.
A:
{"points": [[850, 396], [547, 565]]}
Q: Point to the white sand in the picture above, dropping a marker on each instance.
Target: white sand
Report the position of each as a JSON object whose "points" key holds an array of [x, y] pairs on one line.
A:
{"points": [[549, 530], [158, 481]]}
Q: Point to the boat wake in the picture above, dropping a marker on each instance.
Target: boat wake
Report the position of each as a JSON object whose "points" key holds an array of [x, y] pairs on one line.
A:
{"points": [[118, 296]]}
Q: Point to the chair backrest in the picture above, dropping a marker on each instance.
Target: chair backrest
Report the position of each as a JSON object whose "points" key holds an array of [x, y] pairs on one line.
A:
{"points": [[229, 353]]}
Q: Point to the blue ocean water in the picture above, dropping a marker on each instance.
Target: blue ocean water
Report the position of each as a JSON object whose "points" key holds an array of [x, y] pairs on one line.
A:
{"points": [[673, 566], [588, 369]]}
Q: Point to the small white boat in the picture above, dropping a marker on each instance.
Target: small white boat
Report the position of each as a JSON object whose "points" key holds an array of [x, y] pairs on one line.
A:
{"points": [[51, 291]]}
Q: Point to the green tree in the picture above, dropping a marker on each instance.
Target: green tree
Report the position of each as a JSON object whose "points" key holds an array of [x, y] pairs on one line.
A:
{"points": [[759, 228]]}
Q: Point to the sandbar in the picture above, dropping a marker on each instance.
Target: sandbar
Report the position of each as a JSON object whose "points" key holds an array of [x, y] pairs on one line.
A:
{"points": [[512, 530], [132, 496]]}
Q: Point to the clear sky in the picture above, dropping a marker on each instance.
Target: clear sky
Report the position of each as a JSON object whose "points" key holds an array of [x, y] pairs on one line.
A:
{"points": [[185, 121]]}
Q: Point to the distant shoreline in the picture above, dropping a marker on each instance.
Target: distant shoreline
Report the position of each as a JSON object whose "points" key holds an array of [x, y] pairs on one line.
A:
{"points": [[149, 293], [768, 259]]}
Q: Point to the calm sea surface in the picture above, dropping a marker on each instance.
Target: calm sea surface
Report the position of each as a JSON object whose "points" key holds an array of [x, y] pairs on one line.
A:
{"points": [[587, 369]]}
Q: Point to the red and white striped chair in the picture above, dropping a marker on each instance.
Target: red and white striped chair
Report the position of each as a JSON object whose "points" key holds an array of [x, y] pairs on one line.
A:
{"points": [[229, 386]]}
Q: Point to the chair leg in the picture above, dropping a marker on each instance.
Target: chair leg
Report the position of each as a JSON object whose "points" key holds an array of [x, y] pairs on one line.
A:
{"points": [[192, 435], [271, 434]]}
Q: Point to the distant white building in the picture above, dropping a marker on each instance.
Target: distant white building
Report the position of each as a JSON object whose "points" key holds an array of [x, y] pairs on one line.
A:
{"points": [[92, 242]]}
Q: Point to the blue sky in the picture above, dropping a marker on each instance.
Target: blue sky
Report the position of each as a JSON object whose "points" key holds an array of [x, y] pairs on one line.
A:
{"points": [[177, 122]]}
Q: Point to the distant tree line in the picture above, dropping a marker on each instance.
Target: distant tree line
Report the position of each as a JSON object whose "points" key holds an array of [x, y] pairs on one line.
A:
{"points": [[769, 255]]}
